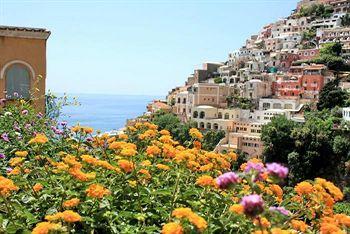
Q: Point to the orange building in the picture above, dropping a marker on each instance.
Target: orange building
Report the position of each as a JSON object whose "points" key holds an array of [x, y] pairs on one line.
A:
{"points": [[23, 64]]}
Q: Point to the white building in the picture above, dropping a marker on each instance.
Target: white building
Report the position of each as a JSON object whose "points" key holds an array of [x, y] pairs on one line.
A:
{"points": [[346, 113]]}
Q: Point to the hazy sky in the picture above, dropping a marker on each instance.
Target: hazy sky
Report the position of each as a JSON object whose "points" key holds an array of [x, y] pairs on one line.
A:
{"points": [[138, 47]]}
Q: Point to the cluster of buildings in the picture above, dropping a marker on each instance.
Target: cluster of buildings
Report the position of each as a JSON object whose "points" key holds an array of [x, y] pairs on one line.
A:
{"points": [[269, 73]]}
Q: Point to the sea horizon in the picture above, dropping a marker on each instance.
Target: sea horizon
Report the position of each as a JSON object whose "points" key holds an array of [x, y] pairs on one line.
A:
{"points": [[104, 112]]}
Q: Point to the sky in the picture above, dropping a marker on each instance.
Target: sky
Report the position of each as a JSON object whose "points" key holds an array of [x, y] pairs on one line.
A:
{"points": [[138, 47]]}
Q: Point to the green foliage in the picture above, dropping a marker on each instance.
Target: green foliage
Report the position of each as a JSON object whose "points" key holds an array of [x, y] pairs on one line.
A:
{"points": [[309, 34], [331, 96], [235, 101], [218, 80], [277, 139], [345, 20], [316, 11], [342, 208], [211, 139], [312, 149], [332, 48]]}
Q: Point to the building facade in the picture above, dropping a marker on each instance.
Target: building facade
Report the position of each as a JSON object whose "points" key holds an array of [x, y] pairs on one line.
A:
{"points": [[23, 64]]}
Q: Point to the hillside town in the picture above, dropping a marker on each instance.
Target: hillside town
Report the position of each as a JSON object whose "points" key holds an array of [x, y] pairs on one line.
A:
{"points": [[276, 72]]}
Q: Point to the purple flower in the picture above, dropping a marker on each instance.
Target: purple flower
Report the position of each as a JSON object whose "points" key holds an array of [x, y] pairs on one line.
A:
{"points": [[227, 179], [253, 204], [24, 112], [39, 115], [15, 94], [280, 209], [89, 139], [277, 170], [9, 169], [2, 156], [27, 126], [2, 101], [5, 137], [63, 123], [16, 127], [259, 167]]}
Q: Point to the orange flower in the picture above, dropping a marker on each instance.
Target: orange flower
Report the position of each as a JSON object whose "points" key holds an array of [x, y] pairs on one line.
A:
{"points": [[172, 228], [299, 225], [181, 212], [197, 145], [205, 180], [146, 163], [45, 228], [145, 173], [71, 203], [237, 208], [97, 191], [164, 132], [126, 165], [6, 186], [68, 216], [37, 187], [153, 150], [303, 188], [16, 161], [263, 222]]}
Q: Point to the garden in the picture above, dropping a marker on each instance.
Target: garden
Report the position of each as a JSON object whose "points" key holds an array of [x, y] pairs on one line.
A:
{"points": [[60, 179]]}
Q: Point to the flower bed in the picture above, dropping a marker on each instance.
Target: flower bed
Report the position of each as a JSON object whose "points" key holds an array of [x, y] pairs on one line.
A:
{"points": [[59, 179]]}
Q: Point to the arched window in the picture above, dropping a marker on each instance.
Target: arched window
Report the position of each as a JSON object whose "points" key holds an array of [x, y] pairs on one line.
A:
{"points": [[220, 115], [227, 116], [201, 125], [195, 114], [202, 115], [17, 78], [216, 126], [208, 125]]}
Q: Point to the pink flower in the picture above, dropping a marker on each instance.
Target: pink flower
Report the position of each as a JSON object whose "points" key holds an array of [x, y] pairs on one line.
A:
{"points": [[280, 209], [276, 169], [24, 112], [253, 204], [5, 137], [259, 167], [227, 179]]}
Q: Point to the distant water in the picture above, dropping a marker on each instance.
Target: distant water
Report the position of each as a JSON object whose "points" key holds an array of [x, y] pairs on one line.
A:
{"points": [[105, 112]]}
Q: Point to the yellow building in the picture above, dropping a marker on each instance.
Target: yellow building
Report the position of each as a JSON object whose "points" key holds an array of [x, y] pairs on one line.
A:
{"points": [[23, 64]]}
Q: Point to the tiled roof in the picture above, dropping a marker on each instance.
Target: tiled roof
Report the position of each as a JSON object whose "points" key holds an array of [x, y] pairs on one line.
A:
{"points": [[24, 32]]}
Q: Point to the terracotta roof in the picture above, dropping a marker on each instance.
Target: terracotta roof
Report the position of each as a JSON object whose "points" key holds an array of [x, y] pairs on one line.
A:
{"points": [[24, 32]]}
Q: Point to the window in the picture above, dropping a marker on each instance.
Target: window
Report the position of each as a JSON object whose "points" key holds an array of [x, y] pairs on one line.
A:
{"points": [[18, 81]]}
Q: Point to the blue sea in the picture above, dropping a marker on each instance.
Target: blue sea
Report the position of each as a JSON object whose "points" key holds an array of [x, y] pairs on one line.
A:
{"points": [[105, 112]]}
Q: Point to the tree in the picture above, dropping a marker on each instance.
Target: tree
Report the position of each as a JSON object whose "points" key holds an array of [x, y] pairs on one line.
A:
{"points": [[277, 139], [211, 139], [331, 96], [345, 20]]}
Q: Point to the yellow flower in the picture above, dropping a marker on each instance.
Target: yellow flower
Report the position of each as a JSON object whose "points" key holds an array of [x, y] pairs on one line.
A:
{"points": [[71, 203], [132, 183], [6, 186], [45, 228], [128, 152], [97, 191], [146, 163], [195, 133], [237, 208], [163, 167], [21, 153], [172, 228], [164, 132], [146, 173], [37, 187], [16, 161], [40, 138]]}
